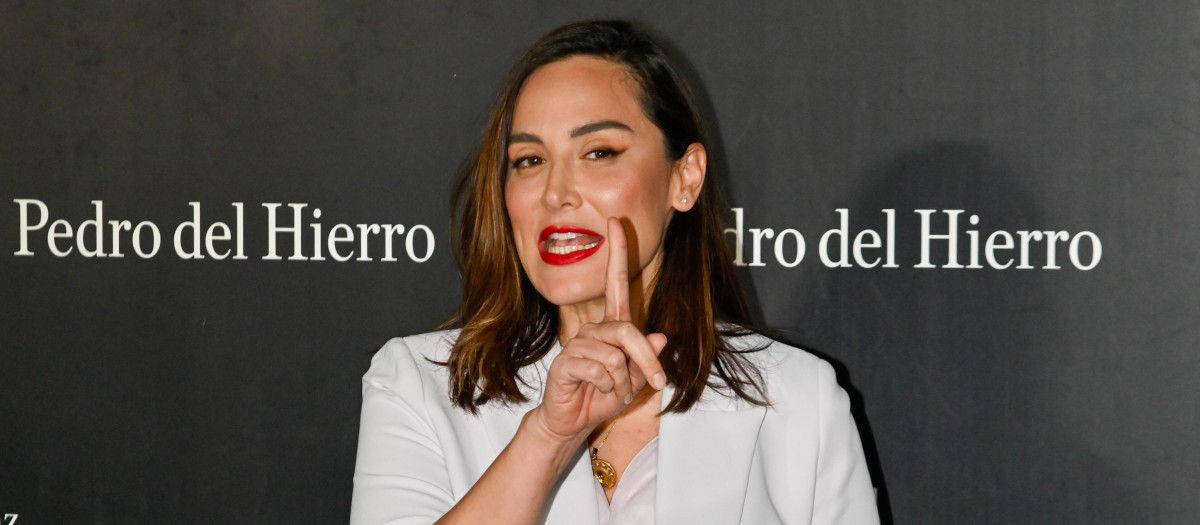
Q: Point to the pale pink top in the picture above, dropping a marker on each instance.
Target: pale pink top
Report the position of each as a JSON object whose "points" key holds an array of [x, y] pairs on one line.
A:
{"points": [[633, 501]]}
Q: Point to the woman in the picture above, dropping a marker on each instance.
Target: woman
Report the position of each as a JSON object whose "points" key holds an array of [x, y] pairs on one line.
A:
{"points": [[599, 371]]}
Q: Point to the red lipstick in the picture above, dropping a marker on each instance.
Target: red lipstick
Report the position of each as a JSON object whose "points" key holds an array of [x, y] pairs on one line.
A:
{"points": [[560, 245]]}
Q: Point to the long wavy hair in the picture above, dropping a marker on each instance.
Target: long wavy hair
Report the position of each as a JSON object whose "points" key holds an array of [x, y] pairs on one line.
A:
{"points": [[696, 301]]}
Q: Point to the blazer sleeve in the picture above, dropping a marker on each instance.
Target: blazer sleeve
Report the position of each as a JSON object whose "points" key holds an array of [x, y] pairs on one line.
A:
{"points": [[400, 476], [843, 493]]}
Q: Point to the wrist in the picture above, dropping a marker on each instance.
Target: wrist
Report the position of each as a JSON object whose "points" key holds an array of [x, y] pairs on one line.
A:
{"points": [[534, 431], [535, 423]]}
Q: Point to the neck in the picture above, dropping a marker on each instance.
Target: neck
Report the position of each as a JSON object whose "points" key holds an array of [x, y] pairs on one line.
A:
{"points": [[573, 316]]}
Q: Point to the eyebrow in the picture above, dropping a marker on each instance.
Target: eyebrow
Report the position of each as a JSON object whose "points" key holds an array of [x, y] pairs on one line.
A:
{"points": [[597, 126], [523, 137], [577, 132]]}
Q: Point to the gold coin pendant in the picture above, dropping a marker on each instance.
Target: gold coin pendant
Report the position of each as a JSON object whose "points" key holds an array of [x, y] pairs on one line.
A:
{"points": [[604, 473]]}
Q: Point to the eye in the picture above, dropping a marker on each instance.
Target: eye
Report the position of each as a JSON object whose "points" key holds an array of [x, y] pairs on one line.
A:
{"points": [[527, 161], [601, 154]]}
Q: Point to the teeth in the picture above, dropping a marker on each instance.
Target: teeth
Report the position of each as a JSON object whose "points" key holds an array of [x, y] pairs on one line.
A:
{"points": [[563, 236], [562, 250]]}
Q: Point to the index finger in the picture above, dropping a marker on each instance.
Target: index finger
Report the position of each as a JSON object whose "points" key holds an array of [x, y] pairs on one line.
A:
{"points": [[616, 279]]}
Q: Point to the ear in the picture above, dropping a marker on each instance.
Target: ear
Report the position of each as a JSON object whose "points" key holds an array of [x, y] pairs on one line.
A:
{"points": [[687, 177]]}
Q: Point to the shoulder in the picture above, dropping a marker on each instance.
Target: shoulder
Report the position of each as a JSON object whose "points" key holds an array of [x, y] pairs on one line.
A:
{"points": [[790, 375], [810, 436], [412, 360]]}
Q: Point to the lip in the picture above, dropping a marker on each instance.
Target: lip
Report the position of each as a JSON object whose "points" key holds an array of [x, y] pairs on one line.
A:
{"points": [[559, 259]]}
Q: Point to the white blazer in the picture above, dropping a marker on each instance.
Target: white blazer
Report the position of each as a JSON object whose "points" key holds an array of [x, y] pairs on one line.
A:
{"points": [[725, 461]]}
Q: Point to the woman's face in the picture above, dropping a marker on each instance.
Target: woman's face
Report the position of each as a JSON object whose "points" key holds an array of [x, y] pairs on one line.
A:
{"points": [[581, 151]]}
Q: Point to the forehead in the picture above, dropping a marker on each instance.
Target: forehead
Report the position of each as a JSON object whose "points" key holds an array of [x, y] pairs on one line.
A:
{"points": [[578, 90]]}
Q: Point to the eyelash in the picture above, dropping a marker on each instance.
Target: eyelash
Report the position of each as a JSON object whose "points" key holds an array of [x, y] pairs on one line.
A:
{"points": [[604, 153], [530, 161], [526, 162]]}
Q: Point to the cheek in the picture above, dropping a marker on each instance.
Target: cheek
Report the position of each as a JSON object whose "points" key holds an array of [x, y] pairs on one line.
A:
{"points": [[518, 215], [517, 201], [645, 201], [642, 192]]}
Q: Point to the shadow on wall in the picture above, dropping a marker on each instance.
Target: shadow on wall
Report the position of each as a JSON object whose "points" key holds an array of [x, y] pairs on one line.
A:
{"points": [[720, 172], [956, 363], [718, 163]]}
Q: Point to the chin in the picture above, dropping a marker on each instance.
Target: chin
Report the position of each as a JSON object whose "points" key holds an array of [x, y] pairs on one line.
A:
{"points": [[565, 291], [569, 284]]}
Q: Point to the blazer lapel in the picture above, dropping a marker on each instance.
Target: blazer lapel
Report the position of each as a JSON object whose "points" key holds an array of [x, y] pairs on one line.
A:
{"points": [[573, 501], [502, 420], [704, 458]]}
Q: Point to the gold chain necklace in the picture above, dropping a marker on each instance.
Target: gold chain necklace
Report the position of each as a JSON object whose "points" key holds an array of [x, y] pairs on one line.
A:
{"points": [[602, 470]]}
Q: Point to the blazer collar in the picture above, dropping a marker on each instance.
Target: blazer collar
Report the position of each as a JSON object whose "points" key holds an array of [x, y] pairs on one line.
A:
{"points": [[574, 497], [704, 459]]}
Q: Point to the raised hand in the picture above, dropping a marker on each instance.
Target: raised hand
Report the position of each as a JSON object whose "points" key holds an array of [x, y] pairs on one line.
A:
{"points": [[600, 371]]}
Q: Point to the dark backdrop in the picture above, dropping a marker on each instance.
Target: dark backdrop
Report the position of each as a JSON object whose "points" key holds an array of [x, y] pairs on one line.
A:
{"points": [[173, 390]]}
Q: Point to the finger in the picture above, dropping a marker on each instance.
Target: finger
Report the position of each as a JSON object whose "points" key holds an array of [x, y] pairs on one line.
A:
{"points": [[588, 371], [658, 342], [642, 354], [614, 361], [616, 279], [637, 380]]}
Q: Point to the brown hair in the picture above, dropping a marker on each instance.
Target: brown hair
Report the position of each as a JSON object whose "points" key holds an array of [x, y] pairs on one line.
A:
{"points": [[696, 300]]}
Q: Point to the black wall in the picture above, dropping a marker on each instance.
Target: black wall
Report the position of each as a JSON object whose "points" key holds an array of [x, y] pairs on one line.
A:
{"points": [[174, 390]]}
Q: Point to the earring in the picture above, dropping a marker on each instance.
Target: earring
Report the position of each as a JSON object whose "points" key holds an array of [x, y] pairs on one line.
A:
{"points": [[685, 199]]}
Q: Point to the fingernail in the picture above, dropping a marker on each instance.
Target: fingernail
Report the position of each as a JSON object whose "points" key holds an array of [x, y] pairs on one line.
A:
{"points": [[659, 381], [628, 398]]}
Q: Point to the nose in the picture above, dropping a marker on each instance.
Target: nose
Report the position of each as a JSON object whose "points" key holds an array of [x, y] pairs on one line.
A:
{"points": [[560, 190]]}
